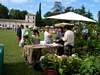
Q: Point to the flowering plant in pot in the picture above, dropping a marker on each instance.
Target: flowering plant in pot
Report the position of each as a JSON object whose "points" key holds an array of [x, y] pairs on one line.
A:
{"points": [[50, 62], [69, 65]]}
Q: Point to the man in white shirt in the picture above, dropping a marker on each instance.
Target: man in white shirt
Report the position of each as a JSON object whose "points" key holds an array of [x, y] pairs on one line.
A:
{"points": [[69, 40]]}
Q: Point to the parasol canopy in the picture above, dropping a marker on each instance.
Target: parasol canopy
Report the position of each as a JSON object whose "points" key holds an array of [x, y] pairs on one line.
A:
{"points": [[71, 16]]}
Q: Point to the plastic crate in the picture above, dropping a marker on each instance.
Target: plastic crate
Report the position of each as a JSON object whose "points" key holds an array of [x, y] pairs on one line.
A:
{"points": [[1, 57]]}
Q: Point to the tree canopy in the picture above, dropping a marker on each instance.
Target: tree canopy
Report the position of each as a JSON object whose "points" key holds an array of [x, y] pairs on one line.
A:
{"points": [[11, 14], [3, 11]]}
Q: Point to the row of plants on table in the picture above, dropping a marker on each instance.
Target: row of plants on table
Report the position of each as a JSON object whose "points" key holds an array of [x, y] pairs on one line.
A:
{"points": [[70, 65]]}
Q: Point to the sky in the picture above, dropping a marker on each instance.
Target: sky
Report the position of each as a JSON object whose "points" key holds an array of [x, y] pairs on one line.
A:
{"points": [[33, 5]]}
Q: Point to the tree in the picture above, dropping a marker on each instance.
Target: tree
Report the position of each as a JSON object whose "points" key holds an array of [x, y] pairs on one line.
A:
{"points": [[49, 13], [89, 15], [83, 12], [68, 9], [11, 14], [58, 8], [98, 16], [3, 11], [40, 11], [17, 14], [38, 17], [23, 13]]}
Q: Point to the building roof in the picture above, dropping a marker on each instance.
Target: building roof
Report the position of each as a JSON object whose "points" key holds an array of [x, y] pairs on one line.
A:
{"points": [[30, 14], [13, 20]]}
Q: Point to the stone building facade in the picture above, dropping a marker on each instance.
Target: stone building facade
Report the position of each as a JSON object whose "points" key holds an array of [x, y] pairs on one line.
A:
{"points": [[13, 23]]}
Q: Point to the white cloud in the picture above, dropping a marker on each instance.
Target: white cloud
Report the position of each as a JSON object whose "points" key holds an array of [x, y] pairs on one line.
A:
{"points": [[73, 0], [96, 0], [30, 5], [52, 0], [18, 1], [69, 1], [92, 5], [83, 3], [31, 0], [3, 1], [44, 4]]}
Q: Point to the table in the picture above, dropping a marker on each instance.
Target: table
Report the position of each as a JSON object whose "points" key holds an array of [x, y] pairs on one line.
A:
{"points": [[28, 50]]}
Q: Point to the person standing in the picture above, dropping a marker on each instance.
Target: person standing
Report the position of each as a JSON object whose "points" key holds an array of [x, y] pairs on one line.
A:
{"points": [[36, 36], [22, 38], [47, 35], [26, 35], [19, 33], [69, 40], [58, 39], [84, 33]]}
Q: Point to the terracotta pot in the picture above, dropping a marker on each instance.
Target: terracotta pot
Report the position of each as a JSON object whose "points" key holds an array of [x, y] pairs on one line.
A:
{"points": [[46, 71], [52, 72]]}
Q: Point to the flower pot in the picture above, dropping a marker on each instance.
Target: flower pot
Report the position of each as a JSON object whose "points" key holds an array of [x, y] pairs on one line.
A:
{"points": [[46, 71], [52, 72]]}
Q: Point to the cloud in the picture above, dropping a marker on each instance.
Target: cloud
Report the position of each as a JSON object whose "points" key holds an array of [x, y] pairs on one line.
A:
{"points": [[18, 1], [83, 3], [44, 5], [73, 0], [96, 0], [69, 1], [92, 5], [53, 0], [30, 5], [3, 1]]}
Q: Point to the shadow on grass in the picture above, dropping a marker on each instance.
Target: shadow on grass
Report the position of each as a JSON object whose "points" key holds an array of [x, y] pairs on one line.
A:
{"points": [[19, 69]]}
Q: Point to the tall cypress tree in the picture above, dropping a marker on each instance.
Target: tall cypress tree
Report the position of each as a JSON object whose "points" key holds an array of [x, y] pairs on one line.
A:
{"points": [[40, 11], [38, 17]]}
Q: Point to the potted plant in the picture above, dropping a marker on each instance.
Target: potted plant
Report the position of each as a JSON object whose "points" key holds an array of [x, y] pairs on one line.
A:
{"points": [[50, 63], [69, 65]]}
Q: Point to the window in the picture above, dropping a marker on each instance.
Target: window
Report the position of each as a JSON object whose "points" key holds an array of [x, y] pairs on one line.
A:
{"points": [[5, 25], [28, 20], [33, 17], [28, 17], [33, 21], [13, 25]]}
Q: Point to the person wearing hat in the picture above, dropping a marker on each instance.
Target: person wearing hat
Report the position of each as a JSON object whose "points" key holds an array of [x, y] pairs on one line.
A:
{"points": [[36, 36], [69, 40], [47, 35], [35, 33]]}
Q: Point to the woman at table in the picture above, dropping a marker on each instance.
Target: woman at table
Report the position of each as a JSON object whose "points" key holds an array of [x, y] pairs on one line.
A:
{"points": [[47, 35], [59, 40]]}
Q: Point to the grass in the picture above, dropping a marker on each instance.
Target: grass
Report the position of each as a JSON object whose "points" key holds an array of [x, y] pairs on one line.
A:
{"points": [[14, 63]]}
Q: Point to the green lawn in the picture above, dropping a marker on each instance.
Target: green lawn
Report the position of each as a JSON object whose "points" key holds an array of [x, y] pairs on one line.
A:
{"points": [[14, 63]]}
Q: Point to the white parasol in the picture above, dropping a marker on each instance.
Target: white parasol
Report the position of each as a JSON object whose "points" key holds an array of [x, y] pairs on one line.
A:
{"points": [[71, 16]]}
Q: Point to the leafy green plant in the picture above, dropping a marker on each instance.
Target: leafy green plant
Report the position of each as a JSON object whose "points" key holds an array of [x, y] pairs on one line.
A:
{"points": [[90, 66], [50, 62]]}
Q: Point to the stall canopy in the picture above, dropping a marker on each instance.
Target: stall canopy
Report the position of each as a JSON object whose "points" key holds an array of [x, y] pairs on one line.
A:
{"points": [[62, 24], [71, 16]]}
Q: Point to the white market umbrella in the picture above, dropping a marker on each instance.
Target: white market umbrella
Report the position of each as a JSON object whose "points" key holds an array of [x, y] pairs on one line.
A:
{"points": [[71, 16]]}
